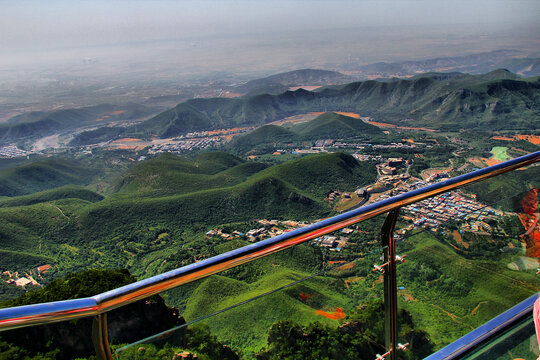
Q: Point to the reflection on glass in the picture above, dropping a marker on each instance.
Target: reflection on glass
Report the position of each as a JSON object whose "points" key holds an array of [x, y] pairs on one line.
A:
{"points": [[519, 342], [328, 283], [470, 255]]}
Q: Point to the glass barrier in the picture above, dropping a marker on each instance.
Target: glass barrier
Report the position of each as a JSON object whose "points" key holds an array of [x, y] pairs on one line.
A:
{"points": [[468, 254], [518, 342], [326, 289]]}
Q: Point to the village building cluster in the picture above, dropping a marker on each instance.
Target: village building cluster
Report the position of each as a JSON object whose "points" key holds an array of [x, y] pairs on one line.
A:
{"points": [[185, 145], [430, 213], [326, 145], [454, 205], [11, 151], [14, 278], [334, 242], [271, 228]]}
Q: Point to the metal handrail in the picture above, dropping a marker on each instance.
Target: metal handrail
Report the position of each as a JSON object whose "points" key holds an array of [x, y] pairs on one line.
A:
{"points": [[44, 313]]}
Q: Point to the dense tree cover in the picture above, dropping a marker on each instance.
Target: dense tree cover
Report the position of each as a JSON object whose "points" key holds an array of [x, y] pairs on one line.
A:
{"points": [[329, 125], [261, 139], [197, 341], [42, 175], [64, 192], [162, 203], [361, 336]]}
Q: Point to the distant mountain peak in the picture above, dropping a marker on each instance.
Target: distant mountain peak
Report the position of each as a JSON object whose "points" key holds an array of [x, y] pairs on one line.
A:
{"points": [[278, 83]]}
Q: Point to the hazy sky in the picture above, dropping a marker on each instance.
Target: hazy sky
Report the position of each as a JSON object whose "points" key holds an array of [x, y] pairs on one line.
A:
{"points": [[37, 30], [52, 24]]}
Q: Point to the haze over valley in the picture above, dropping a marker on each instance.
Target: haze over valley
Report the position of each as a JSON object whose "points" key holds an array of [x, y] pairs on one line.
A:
{"points": [[140, 137]]}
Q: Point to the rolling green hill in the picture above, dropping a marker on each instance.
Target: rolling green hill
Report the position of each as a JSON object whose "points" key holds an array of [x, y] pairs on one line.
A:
{"points": [[326, 126], [319, 174], [173, 175], [332, 125], [173, 194], [254, 198], [169, 174], [32, 228], [246, 191], [264, 135], [179, 120], [218, 292], [42, 175], [64, 192], [445, 299]]}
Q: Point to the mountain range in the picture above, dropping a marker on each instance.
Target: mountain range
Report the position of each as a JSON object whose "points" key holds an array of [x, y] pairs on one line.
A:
{"points": [[498, 100], [513, 60]]}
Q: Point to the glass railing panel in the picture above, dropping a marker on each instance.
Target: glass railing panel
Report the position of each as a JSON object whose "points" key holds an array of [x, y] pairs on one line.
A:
{"points": [[468, 256], [322, 289], [518, 342]]}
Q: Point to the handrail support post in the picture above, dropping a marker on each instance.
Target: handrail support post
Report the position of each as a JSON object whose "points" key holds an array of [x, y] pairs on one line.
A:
{"points": [[390, 284], [100, 337]]}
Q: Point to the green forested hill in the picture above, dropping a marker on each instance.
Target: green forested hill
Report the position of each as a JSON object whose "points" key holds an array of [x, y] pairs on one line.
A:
{"points": [[319, 174], [166, 196], [181, 119], [42, 175], [64, 192], [332, 125], [326, 126], [267, 134], [265, 197], [169, 174], [290, 190]]}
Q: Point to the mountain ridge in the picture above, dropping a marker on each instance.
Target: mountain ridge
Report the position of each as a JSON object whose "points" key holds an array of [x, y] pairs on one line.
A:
{"points": [[417, 99], [498, 100], [278, 83]]}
